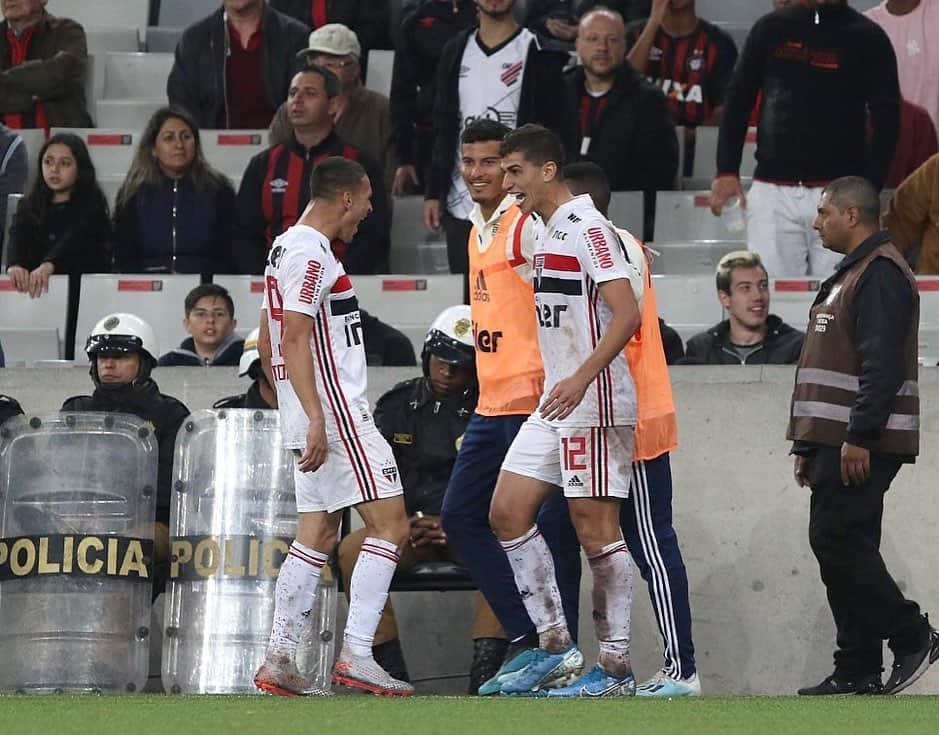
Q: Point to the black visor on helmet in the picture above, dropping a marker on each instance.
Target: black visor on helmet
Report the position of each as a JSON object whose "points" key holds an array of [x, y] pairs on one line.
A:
{"points": [[448, 349], [113, 343]]}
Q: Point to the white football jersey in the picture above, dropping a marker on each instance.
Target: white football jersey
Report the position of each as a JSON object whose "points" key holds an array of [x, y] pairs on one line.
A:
{"points": [[578, 251], [303, 275]]}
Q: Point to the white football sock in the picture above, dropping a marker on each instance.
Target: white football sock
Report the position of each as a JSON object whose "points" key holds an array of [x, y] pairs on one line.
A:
{"points": [[612, 598], [294, 595], [368, 592], [533, 566]]}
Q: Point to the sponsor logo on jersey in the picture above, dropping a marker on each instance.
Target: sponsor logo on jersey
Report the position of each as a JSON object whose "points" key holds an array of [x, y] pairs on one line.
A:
{"points": [[278, 186], [681, 91], [512, 73], [575, 481], [480, 290], [573, 218], [655, 53], [600, 247], [311, 282]]}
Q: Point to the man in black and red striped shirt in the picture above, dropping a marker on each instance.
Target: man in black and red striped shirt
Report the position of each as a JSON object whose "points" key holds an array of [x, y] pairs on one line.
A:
{"points": [[275, 188], [691, 59]]}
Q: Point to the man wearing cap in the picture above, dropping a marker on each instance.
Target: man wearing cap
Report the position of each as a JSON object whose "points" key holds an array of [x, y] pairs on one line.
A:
{"points": [[360, 115], [232, 69]]}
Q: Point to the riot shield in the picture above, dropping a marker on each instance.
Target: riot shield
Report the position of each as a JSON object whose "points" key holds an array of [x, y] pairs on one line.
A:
{"points": [[77, 505], [233, 517]]}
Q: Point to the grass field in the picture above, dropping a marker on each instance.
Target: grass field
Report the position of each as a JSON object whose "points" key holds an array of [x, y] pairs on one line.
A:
{"points": [[350, 715]]}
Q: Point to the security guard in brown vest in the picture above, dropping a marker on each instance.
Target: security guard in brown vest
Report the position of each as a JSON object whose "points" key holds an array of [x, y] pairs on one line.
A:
{"points": [[854, 421]]}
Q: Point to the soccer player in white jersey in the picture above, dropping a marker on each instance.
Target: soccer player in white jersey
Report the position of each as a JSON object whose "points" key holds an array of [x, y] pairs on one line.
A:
{"points": [[311, 337], [581, 437]]}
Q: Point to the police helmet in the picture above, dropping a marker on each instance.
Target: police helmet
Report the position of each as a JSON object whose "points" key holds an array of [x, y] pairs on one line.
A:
{"points": [[450, 338], [250, 354], [123, 333]]}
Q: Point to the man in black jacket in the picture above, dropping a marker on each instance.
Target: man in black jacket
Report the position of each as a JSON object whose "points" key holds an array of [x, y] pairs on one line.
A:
{"points": [[624, 122], [275, 188], [368, 18], [414, 85], [826, 73], [750, 335], [499, 71], [233, 68], [854, 422], [122, 349]]}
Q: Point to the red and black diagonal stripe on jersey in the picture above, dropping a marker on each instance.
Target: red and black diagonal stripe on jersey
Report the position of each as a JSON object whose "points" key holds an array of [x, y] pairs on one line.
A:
{"points": [[345, 424], [604, 380]]}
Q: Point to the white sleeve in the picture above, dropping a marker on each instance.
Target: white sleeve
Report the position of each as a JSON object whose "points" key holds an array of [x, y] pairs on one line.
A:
{"points": [[531, 231], [603, 254], [304, 278]]}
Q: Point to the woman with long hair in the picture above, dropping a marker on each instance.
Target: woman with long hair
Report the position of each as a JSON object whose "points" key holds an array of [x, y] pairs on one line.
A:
{"points": [[174, 211], [61, 227]]}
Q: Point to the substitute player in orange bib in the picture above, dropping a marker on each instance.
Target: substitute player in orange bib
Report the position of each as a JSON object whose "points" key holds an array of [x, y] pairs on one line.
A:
{"points": [[311, 337]]}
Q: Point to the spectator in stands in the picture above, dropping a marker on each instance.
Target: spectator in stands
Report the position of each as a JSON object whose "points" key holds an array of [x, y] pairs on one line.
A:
{"points": [[174, 211], [13, 170], [813, 125], [750, 335], [690, 58], [424, 419], [560, 18], [368, 18], [384, 345], [360, 115], [210, 322], [122, 349], [275, 188], [9, 407], [500, 71], [424, 32], [233, 68], [261, 394], [624, 122], [906, 22], [43, 62], [913, 217], [62, 226]]}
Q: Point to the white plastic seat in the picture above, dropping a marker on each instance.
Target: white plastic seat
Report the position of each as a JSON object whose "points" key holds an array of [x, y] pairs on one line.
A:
{"points": [[162, 40], [102, 39], [705, 153], [29, 344], [230, 150], [96, 13], [627, 210], [111, 150], [136, 75], [413, 248], [183, 13], [696, 257], [247, 294], [687, 299], [19, 311], [686, 215], [378, 76], [133, 114], [408, 300]]}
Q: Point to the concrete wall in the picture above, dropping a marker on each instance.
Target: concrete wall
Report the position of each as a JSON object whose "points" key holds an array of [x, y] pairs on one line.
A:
{"points": [[761, 622]]}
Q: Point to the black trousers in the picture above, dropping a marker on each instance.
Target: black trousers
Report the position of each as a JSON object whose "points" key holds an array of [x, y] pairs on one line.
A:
{"points": [[844, 532]]}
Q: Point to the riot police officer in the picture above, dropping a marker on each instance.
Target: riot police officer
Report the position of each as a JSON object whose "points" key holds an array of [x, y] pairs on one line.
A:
{"points": [[123, 350], [261, 394], [9, 407]]}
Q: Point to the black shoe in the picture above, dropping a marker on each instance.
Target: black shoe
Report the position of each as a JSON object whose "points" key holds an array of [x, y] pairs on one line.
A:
{"points": [[488, 654], [907, 668], [390, 657], [869, 684]]}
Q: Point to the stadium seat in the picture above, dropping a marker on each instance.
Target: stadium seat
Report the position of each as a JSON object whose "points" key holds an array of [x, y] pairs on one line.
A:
{"points": [[34, 139], [28, 344], [413, 248], [110, 185], [19, 311], [140, 76], [627, 211], [407, 300], [133, 114], [378, 76], [686, 300], [102, 39], [104, 13], [690, 258], [157, 299], [13, 202], [163, 40], [705, 153], [247, 294], [686, 215], [111, 150], [183, 13], [230, 150]]}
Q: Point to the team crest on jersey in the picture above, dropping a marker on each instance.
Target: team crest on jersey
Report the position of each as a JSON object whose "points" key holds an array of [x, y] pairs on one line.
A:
{"points": [[512, 72], [278, 186], [696, 61], [655, 53], [390, 473], [539, 267], [464, 71]]}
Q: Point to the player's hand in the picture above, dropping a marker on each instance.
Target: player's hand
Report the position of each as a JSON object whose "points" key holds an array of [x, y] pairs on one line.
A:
{"points": [[561, 29], [20, 278], [855, 464], [801, 470], [316, 447], [432, 214], [564, 397], [722, 189], [39, 279], [426, 530], [658, 11], [403, 175]]}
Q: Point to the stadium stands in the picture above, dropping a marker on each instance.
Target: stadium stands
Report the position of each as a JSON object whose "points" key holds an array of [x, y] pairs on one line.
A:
{"points": [[378, 75], [23, 319], [627, 211], [104, 13], [183, 13]]}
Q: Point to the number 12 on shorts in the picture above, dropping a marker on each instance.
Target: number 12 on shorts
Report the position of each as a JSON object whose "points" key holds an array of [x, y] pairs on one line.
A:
{"points": [[573, 451]]}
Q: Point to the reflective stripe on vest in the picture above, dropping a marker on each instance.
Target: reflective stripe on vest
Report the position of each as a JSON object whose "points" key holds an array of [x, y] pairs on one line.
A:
{"points": [[508, 360], [843, 381], [842, 414]]}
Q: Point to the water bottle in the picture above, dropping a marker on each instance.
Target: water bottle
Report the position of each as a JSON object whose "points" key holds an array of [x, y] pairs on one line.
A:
{"points": [[733, 216], [316, 651]]}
